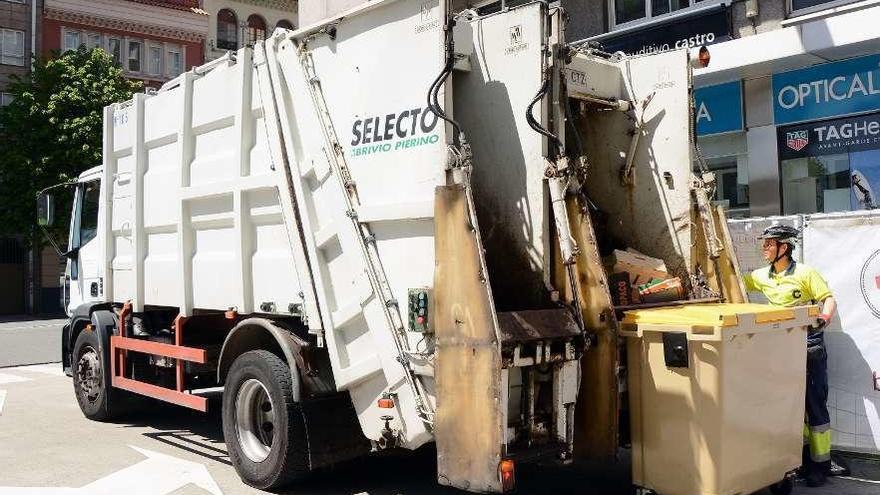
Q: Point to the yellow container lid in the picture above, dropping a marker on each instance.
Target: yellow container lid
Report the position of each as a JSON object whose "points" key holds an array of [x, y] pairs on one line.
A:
{"points": [[709, 315]]}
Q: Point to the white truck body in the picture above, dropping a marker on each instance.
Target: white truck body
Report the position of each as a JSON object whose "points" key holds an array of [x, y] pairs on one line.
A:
{"points": [[202, 218]]}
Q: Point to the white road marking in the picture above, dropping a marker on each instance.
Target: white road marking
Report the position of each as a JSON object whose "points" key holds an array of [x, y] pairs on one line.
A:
{"points": [[861, 480], [7, 378], [158, 474], [2, 400]]}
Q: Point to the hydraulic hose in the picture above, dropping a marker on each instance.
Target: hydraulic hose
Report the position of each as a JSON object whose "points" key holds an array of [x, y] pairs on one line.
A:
{"points": [[434, 91], [535, 125]]}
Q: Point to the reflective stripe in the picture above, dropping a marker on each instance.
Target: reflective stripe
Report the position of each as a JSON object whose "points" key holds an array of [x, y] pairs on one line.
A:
{"points": [[806, 434], [820, 428], [820, 444]]}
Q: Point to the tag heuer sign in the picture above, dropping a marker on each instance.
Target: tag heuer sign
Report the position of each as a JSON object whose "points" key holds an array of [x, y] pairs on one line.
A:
{"points": [[828, 137], [797, 140]]}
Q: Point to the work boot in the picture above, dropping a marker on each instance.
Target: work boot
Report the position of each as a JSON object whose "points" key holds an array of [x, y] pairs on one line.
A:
{"points": [[815, 478]]}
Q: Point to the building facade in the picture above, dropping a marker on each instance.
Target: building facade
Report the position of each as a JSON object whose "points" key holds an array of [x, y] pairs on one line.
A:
{"points": [[152, 40], [20, 21], [233, 24], [311, 12], [788, 111]]}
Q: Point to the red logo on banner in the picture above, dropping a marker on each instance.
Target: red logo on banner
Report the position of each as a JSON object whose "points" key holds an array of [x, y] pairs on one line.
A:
{"points": [[797, 140], [868, 276]]}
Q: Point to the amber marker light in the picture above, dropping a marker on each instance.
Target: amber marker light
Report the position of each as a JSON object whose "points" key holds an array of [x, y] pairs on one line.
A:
{"points": [[506, 475], [703, 57]]}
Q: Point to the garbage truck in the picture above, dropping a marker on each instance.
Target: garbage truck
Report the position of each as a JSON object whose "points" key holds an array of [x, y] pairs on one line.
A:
{"points": [[388, 229]]}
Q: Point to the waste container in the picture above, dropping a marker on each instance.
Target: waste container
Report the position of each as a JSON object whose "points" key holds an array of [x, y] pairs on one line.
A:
{"points": [[716, 396]]}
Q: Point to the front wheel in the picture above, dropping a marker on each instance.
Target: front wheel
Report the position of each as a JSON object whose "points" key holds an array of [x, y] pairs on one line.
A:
{"points": [[262, 422], [90, 377]]}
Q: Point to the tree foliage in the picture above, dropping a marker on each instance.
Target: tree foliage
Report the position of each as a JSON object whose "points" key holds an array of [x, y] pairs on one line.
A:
{"points": [[52, 130]]}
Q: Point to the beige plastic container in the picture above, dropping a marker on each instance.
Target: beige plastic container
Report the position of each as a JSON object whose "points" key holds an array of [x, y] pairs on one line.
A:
{"points": [[716, 396]]}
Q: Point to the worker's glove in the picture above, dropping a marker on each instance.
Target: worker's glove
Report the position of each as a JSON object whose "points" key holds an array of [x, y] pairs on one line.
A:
{"points": [[822, 321]]}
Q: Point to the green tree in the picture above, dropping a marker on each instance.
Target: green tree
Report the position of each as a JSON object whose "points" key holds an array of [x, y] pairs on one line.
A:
{"points": [[52, 131]]}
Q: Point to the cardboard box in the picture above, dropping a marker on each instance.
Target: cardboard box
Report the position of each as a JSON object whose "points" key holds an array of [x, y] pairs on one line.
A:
{"points": [[641, 268]]}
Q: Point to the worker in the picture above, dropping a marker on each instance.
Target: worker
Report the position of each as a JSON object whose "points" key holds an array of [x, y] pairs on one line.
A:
{"points": [[788, 283]]}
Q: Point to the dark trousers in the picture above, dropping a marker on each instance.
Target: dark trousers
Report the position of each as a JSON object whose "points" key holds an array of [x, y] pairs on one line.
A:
{"points": [[817, 427]]}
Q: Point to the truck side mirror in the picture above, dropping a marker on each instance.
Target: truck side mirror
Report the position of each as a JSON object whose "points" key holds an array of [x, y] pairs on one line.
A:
{"points": [[45, 210], [71, 254]]}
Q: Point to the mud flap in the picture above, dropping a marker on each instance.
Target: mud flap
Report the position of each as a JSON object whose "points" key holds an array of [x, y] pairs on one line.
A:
{"points": [[469, 420], [333, 430]]}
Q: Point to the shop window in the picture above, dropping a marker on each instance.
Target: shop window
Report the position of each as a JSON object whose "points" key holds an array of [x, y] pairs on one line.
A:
{"points": [[72, 40], [227, 30], [727, 157], [625, 13], [731, 183], [816, 184], [256, 29], [285, 24], [135, 55], [114, 47]]}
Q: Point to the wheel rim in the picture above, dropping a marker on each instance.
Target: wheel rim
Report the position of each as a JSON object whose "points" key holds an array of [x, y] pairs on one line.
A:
{"points": [[89, 375], [254, 420]]}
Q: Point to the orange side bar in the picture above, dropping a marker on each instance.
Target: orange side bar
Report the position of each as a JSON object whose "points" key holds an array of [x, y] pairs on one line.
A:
{"points": [[162, 393], [123, 315], [191, 354], [178, 341]]}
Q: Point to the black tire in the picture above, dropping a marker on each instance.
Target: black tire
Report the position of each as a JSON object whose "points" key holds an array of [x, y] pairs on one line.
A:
{"points": [[91, 377], [784, 487], [265, 458]]}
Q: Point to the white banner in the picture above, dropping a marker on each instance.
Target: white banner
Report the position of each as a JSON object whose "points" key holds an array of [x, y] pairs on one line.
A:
{"points": [[845, 249]]}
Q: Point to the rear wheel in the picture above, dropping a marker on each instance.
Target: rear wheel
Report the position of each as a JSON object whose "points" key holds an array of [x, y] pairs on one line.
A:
{"points": [[90, 377], [262, 422]]}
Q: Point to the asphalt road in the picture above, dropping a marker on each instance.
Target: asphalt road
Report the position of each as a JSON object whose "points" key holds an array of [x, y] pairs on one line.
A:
{"points": [[48, 447], [29, 341]]}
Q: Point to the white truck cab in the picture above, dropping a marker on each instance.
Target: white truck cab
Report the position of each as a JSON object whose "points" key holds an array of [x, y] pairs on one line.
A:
{"points": [[83, 276]]}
